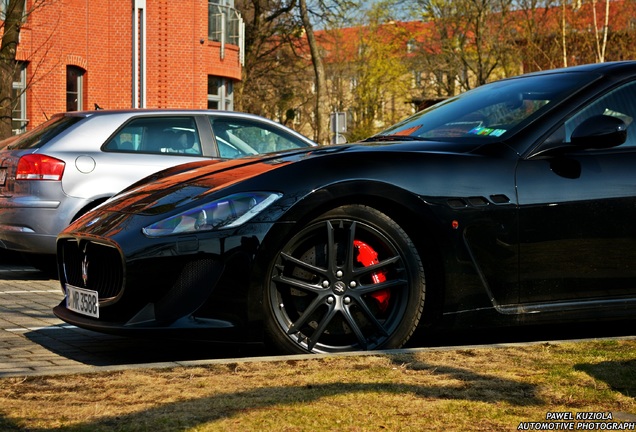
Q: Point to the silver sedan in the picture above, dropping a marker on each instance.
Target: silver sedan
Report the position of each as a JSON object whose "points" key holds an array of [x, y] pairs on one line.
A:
{"points": [[65, 167]]}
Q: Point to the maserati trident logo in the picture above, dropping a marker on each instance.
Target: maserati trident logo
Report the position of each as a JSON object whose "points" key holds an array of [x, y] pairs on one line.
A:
{"points": [[339, 287], [85, 270]]}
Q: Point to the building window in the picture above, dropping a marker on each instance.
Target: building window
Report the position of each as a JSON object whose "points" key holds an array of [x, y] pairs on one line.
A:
{"points": [[19, 115], [224, 22], [225, 25], [220, 93], [4, 6], [74, 88], [411, 46]]}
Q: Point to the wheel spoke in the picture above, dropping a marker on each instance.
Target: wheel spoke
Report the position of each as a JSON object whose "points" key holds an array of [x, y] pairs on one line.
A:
{"points": [[370, 316], [331, 254], [304, 317], [349, 256], [302, 264], [301, 285], [324, 322], [363, 271], [371, 288], [362, 340]]}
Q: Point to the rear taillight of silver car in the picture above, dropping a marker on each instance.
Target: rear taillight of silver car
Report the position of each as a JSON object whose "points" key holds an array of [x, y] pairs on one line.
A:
{"points": [[39, 167]]}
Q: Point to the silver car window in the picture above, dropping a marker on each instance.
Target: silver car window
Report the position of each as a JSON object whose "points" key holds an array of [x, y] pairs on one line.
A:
{"points": [[40, 135], [236, 138], [169, 135]]}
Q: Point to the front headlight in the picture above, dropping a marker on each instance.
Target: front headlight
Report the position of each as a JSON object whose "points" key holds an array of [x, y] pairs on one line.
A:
{"points": [[228, 212]]}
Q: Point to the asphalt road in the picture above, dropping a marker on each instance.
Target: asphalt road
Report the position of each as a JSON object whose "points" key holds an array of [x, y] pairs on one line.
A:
{"points": [[34, 342]]}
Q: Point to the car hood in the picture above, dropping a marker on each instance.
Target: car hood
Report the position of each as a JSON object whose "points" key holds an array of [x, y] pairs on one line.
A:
{"points": [[185, 184]]}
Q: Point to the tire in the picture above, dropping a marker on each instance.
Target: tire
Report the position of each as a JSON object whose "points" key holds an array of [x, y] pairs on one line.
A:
{"points": [[349, 280]]}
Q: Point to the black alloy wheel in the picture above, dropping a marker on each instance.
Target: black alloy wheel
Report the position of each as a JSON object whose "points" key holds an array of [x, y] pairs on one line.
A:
{"points": [[350, 280]]}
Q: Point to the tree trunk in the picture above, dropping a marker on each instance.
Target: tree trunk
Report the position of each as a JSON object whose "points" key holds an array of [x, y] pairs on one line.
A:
{"points": [[8, 48], [322, 102], [563, 34]]}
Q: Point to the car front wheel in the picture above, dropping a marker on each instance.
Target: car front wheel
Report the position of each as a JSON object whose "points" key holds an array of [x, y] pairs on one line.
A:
{"points": [[349, 280]]}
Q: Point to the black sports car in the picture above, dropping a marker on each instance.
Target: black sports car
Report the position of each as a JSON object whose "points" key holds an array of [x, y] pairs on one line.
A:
{"points": [[512, 203]]}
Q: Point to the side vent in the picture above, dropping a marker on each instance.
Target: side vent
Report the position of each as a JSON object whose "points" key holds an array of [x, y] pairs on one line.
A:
{"points": [[457, 203], [499, 199], [477, 201]]}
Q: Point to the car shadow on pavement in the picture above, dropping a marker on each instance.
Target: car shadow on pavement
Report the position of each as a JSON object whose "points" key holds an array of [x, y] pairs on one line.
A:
{"points": [[23, 273], [14, 267], [97, 349]]}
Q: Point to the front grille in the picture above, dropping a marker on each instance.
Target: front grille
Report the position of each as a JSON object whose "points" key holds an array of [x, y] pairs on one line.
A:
{"points": [[93, 266]]}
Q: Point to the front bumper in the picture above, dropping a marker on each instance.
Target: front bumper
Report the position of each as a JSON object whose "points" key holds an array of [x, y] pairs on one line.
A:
{"points": [[194, 288], [186, 328]]}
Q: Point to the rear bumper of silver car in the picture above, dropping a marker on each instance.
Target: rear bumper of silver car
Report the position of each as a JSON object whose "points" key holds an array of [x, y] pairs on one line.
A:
{"points": [[31, 225]]}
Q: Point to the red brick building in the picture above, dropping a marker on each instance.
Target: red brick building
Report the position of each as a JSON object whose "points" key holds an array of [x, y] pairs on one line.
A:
{"points": [[83, 54]]}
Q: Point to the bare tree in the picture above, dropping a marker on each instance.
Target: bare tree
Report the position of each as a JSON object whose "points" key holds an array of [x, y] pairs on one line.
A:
{"points": [[322, 101], [586, 33], [380, 81], [536, 26], [471, 35], [16, 14], [601, 37], [268, 26], [11, 36], [280, 35]]}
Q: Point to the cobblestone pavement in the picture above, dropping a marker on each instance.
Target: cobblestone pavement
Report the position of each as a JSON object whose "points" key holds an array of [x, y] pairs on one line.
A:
{"points": [[35, 342], [26, 299]]}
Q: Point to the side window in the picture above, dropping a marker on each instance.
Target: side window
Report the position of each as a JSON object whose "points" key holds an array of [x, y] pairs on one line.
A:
{"points": [[236, 138], [620, 103], [170, 135]]}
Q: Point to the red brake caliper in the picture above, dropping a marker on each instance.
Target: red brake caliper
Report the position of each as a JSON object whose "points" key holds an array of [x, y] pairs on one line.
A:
{"points": [[367, 256]]}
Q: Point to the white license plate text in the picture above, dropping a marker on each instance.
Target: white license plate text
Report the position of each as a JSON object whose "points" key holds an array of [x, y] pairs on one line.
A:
{"points": [[82, 301]]}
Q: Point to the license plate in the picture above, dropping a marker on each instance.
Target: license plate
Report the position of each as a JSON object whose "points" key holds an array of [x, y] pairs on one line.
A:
{"points": [[3, 176], [82, 301]]}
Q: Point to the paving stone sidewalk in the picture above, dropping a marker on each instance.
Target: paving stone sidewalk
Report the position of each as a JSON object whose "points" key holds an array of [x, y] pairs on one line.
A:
{"points": [[26, 320], [34, 342]]}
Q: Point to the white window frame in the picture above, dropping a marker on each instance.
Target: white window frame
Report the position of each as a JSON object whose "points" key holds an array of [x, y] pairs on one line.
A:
{"points": [[224, 98], [19, 89]]}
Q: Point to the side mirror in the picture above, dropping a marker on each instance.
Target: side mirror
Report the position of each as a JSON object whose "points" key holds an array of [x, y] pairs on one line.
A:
{"points": [[599, 132]]}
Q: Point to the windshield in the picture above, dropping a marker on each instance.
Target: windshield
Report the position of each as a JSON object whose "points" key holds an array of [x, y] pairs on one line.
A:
{"points": [[40, 135], [491, 111]]}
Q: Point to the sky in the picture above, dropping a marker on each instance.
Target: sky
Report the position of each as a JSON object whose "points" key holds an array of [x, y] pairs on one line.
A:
{"points": [[367, 4]]}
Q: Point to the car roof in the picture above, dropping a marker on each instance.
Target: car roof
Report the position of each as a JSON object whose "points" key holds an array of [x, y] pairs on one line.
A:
{"points": [[134, 112], [151, 111]]}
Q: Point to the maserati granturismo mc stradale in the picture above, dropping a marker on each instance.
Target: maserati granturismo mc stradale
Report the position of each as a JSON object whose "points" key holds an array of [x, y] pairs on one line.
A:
{"points": [[513, 203]]}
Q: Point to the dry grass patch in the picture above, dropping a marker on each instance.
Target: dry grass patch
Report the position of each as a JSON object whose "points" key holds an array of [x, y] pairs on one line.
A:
{"points": [[488, 389]]}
